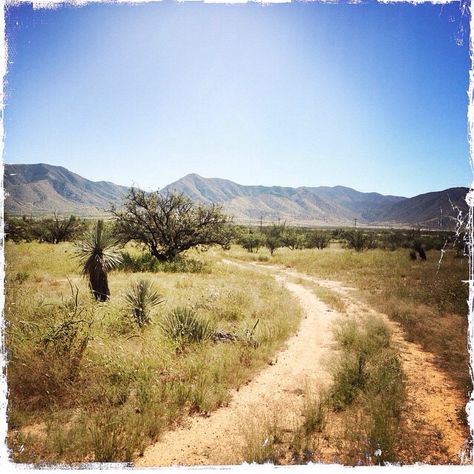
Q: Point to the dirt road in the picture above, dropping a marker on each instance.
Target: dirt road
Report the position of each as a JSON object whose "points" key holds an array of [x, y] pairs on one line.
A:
{"points": [[213, 440], [432, 408]]}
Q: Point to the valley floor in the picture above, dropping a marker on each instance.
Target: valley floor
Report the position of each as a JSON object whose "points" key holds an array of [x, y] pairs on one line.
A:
{"points": [[135, 395]]}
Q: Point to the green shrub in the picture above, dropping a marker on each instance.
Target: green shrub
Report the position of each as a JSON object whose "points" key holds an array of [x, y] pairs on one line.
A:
{"points": [[46, 353], [141, 299], [317, 239], [369, 380], [274, 237], [252, 241], [349, 378], [145, 262], [358, 240], [21, 277], [293, 239]]}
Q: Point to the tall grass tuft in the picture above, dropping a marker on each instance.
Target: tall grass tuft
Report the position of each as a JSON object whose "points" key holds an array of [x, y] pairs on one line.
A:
{"points": [[310, 427], [369, 380], [141, 298], [262, 438]]}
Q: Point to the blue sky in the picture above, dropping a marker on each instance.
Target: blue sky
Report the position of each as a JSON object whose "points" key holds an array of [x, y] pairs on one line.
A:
{"points": [[369, 96]]}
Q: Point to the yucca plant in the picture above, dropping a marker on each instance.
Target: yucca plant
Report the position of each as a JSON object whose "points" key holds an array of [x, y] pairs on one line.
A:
{"points": [[184, 326], [140, 299], [98, 252]]}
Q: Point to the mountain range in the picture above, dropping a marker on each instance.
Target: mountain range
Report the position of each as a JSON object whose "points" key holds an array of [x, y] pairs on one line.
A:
{"points": [[41, 189]]}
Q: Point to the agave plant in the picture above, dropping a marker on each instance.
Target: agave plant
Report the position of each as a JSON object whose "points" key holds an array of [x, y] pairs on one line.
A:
{"points": [[98, 252], [140, 299]]}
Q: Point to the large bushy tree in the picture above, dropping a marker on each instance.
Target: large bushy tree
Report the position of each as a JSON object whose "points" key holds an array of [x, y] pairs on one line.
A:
{"points": [[170, 223]]}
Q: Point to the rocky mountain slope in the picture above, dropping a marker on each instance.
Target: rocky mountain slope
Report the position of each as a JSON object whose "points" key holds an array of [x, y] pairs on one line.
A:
{"points": [[44, 189]]}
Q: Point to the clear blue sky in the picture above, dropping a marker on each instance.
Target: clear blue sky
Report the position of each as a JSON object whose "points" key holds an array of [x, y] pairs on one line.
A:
{"points": [[368, 96]]}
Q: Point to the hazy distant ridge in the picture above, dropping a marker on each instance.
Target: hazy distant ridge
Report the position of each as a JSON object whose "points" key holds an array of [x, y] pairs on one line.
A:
{"points": [[321, 205], [43, 189]]}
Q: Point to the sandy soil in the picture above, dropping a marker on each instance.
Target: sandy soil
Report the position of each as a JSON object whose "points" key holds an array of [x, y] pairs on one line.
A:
{"points": [[432, 400]]}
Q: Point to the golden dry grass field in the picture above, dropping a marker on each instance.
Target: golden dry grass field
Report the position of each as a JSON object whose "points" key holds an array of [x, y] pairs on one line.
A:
{"points": [[87, 384]]}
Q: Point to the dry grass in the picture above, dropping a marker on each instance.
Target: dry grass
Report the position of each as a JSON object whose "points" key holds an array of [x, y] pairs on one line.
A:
{"points": [[357, 420], [131, 383]]}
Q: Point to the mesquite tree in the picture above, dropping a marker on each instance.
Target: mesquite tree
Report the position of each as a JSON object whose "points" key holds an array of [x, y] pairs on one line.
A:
{"points": [[168, 224]]}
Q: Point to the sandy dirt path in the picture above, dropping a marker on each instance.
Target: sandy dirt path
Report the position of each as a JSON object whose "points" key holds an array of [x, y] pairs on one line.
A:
{"points": [[432, 406], [215, 439]]}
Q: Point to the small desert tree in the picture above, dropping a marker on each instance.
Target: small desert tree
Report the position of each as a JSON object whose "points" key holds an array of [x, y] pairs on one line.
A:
{"points": [[168, 224], [358, 240], [274, 237], [98, 252], [252, 241], [58, 230], [293, 239], [317, 239]]}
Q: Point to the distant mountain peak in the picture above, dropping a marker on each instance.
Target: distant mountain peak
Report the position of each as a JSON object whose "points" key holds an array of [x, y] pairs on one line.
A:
{"points": [[43, 189]]}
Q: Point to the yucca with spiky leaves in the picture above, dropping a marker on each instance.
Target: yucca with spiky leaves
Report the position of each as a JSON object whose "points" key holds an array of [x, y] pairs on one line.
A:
{"points": [[184, 326], [99, 253], [140, 299]]}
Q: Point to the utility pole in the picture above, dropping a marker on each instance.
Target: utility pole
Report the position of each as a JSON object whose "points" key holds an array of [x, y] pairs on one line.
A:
{"points": [[261, 222], [355, 223]]}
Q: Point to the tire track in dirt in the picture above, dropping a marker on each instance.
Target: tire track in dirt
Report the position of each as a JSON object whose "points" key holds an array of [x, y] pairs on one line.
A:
{"points": [[215, 439]]}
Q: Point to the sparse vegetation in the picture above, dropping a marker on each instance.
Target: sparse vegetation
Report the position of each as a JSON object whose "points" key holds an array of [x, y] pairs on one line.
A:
{"points": [[99, 388], [429, 302], [263, 436], [114, 394], [360, 413], [369, 385]]}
